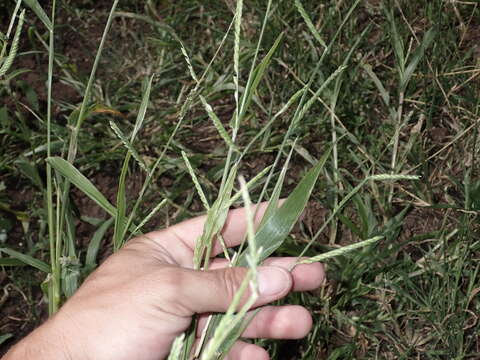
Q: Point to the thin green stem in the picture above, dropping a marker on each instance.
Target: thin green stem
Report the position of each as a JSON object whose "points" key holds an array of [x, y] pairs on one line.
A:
{"points": [[54, 292]]}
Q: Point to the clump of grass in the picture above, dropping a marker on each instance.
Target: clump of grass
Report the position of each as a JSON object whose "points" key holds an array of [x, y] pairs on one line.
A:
{"points": [[376, 301]]}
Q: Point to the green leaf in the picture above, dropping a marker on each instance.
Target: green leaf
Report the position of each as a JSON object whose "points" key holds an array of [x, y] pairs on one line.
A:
{"points": [[71, 173], [274, 199], [94, 246], [128, 145], [257, 76], [30, 171], [274, 231], [417, 57], [120, 225], [143, 109], [5, 337], [11, 262], [38, 10], [397, 41], [27, 259], [383, 92]]}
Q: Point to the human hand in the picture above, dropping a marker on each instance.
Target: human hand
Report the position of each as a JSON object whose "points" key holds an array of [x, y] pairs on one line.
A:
{"points": [[144, 296]]}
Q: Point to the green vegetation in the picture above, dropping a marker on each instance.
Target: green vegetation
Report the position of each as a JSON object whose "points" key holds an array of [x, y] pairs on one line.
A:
{"points": [[121, 117]]}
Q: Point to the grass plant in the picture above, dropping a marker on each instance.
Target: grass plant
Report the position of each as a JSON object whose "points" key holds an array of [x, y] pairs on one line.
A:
{"points": [[369, 109]]}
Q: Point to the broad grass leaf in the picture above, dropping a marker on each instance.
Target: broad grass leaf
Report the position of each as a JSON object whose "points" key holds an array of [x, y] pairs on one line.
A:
{"points": [[11, 262], [273, 202], [27, 259], [274, 231], [72, 174], [38, 10]]}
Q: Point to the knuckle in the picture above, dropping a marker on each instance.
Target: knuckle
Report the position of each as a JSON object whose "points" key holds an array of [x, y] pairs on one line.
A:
{"points": [[231, 280]]}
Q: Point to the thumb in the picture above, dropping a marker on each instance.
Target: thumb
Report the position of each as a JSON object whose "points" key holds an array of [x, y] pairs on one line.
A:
{"points": [[213, 290]]}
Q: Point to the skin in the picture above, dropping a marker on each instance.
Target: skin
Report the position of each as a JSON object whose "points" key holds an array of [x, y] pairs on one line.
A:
{"points": [[144, 296]]}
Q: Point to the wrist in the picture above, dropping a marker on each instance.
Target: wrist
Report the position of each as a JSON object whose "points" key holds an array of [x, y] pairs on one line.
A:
{"points": [[45, 342]]}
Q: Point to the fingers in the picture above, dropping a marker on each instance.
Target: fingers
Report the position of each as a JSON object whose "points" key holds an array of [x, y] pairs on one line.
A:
{"points": [[280, 322], [185, 234], [191, 292], [245, 351], [274, 322], [305, 276]]}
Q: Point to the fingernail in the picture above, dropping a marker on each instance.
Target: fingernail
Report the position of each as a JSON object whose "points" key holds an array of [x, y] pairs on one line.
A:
{"points": [[273, 280]]}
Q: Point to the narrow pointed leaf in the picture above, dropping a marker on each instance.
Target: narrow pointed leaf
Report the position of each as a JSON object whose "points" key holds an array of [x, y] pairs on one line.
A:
{"points": [[94, 246], [273, 202], [120, 219], [417, 57], [11, 262], [27, 259], [258, 76], [72, 174], [272, 234], [5, 337], [383, 92], [128, 145], [143, 109], [38, 10]]}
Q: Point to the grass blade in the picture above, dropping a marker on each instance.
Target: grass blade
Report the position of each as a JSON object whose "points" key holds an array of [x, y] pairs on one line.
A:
{"points": [[27, 259], [120, 219], [94, 246], [416, 58], [5, 337], [11, 262], [257, 76], [272, 234], [143, 109], [70, 172], [383, 92], [38, 10], [129, 146]]}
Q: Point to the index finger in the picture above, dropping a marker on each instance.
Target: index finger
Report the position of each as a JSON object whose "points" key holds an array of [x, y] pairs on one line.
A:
{"points": [[186, 233]]}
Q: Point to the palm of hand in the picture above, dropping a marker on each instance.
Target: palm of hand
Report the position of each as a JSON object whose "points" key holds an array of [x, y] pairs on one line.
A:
{"points": [[145, 295]]}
